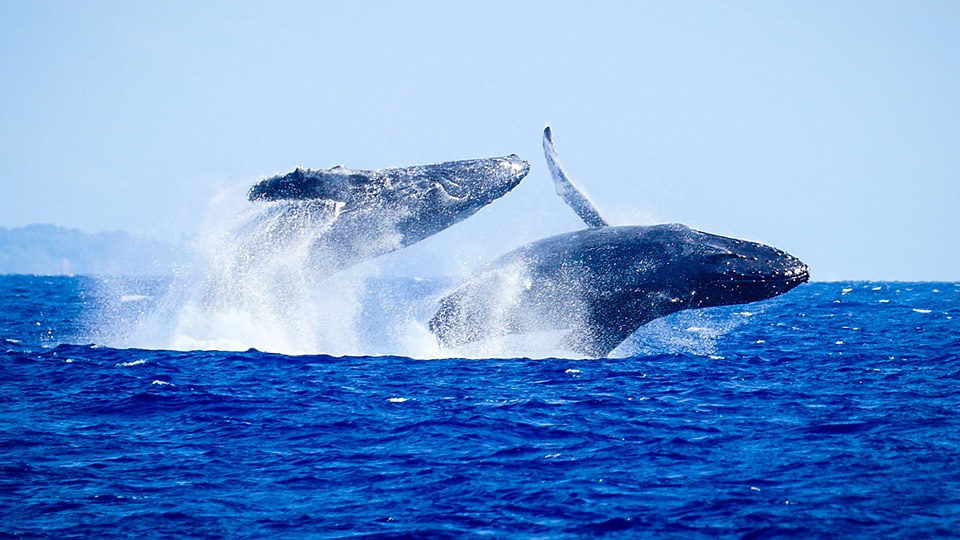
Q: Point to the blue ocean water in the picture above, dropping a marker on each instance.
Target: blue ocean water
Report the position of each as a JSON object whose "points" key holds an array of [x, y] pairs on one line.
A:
{"points": [[831, 411]]}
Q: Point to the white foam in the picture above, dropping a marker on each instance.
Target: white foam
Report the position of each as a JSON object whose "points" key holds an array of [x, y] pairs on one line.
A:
{"points": [[699, 330], [133, 363]]}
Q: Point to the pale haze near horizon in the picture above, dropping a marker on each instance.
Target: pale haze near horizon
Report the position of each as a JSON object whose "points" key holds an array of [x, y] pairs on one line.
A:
{"points": [[830, 130]]}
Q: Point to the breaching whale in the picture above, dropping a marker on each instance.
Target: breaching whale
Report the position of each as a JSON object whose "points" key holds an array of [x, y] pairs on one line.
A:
{"points": [[604, 282], [357, 214]]}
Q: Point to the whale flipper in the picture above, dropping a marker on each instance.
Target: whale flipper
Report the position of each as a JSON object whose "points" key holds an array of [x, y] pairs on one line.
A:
{"points": [[566, 188], [604, 330]]}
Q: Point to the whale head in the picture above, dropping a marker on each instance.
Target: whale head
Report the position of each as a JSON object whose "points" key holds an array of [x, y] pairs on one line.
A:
{"points": [[430, 198], [718, 270]]}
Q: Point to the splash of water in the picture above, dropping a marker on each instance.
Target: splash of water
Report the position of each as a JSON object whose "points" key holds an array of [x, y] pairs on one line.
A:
{"points": [[253, 282]]}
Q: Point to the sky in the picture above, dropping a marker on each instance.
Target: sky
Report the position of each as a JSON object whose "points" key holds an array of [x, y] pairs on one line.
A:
{"points": [[828, 129]]}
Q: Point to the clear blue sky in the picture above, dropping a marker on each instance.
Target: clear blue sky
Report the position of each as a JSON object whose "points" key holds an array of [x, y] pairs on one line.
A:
{"points": [[829, 129]]}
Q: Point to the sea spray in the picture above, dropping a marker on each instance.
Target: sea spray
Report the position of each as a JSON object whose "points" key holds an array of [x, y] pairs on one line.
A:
{"points": [[248, 284], [257, 279]]}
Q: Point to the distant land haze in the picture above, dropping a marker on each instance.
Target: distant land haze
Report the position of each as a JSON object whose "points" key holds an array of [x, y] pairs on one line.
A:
{"points": [[50, 250]]}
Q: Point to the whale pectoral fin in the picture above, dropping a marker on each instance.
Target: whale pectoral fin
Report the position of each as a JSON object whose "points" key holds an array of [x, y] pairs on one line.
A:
{"points": [[606, 327], [595, 341], [566, 188]]}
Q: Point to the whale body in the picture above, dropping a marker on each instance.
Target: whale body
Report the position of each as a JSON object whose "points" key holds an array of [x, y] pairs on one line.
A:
{"points": [[604, 282], [354, 215]]}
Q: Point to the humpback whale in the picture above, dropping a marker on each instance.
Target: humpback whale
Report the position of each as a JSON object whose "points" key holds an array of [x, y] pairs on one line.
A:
{"points": [[356, 215], [603, 283]]}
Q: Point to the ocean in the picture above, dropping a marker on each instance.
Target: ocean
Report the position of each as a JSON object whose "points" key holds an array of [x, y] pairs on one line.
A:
{"points": [[831, 411]]}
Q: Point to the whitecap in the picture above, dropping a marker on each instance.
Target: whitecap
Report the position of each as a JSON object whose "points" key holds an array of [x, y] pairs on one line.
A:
{"points": [[397, 399], [922, 310], [133, 363]]}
